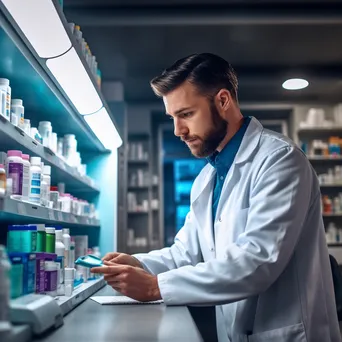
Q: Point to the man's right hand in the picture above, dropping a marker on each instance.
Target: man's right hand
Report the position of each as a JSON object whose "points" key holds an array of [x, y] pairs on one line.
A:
{"points": [[122, 259]]}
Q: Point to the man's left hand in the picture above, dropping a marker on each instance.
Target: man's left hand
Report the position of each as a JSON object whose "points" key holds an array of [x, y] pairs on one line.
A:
{"points": [[130, 281]]}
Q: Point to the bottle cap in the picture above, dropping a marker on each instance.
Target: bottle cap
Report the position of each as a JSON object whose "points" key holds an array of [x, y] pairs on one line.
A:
{"points": [[4, 81], [47, 170], [14, 153], [36, 161], [50, 230], [17, 102], [25, 157]]}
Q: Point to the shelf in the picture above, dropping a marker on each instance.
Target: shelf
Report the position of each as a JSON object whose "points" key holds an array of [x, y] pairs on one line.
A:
{"points": [[335, 244], [333, 215], [336, 185], [80, 294], [323, 158], [137, 188], [320, 130], [138, 161], [137, 212], [16, 211], [137, 249], [12, 137]]}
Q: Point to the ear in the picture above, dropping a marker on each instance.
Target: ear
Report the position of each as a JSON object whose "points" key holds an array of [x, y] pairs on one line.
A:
{"points": [[224, 99]]}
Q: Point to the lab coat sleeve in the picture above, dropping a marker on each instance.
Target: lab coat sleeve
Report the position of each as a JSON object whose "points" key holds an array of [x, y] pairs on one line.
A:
{"points": [[184, 251], [279, 203]]}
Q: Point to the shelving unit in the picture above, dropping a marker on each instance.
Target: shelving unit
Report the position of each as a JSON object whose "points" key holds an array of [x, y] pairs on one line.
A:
{"points": [[45, 100]]}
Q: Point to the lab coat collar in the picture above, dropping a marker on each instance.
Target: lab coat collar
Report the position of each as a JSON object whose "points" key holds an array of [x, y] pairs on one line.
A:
{"points": [[250, 141]]}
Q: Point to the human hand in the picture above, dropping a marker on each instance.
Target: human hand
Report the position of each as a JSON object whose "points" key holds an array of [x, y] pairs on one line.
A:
{"points": [[130, 281], [122, 259]]}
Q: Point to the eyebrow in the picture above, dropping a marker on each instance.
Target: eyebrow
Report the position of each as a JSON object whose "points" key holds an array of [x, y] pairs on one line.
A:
{"points": [[179, 111]]}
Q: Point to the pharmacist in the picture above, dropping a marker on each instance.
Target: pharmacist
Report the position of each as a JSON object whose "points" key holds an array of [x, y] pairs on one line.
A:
{"points": [[253, 243]]}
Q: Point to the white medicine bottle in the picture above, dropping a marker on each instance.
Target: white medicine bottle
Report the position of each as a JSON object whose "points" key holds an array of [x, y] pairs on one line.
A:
{"points": [[60, 251], [66, 242], [5, 99], [26, 176], [35, 183]]}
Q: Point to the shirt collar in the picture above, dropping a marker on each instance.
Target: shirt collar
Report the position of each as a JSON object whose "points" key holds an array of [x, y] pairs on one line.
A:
{"points": [[231, 147]]}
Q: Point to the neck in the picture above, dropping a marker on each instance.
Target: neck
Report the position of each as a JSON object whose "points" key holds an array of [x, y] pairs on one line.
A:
{"points": [[233, 126]]}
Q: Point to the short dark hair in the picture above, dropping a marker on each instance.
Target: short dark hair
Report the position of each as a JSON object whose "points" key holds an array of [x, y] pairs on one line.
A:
{"points": [[208, 72]]}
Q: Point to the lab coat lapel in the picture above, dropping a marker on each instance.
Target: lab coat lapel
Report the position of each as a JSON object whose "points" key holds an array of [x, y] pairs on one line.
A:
{"points": [[202, 207], [248, 145]]}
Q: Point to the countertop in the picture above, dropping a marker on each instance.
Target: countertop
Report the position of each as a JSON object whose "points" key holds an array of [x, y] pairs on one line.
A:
{"points": [[93, 322]]}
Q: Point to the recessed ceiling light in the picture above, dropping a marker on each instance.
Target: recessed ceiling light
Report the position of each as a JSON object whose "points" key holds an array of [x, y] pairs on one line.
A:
{"points": [[295, 84]]}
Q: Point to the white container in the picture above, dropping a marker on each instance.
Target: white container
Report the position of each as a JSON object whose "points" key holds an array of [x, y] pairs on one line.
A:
{"points": [[72, 252], [5, 92], [54, 142], [35, 183], [26, 177], [14, 119], [51, 273], [69, 280], [18, 109], [66, 242], [69, 147], [60, 146], [60, 251], [5, 267], [27, 126], [45, 130], [14, 170], [46, 183]]}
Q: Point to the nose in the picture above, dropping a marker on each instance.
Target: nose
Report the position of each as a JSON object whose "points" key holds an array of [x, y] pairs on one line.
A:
{"points": [[179, 128]]}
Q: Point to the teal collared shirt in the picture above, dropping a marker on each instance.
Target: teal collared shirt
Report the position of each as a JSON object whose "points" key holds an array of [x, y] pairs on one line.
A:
{"points": [[222, 162]]}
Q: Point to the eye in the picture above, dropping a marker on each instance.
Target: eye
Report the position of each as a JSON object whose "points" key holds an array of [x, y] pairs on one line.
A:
{"points": [[186, 115]]}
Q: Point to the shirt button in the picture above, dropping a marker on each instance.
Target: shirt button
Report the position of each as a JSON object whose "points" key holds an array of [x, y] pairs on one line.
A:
{"points": [[212, 249], [220, 219], [221, 177]]}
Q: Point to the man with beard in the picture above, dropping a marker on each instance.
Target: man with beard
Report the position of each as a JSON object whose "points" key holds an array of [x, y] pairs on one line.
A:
{"points": [[253, 243]]}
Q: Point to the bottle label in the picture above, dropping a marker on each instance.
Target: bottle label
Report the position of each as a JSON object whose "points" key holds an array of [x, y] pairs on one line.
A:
{"points": [[26, 181], [15, 171], [8, 105]]}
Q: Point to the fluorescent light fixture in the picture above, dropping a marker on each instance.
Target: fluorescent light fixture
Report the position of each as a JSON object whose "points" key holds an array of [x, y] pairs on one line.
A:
{"points": [[295, 84], [75, 81], [41, 24], [103, 127]]}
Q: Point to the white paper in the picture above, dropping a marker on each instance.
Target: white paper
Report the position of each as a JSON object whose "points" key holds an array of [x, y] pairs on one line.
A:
{"points": [[121, 300]]}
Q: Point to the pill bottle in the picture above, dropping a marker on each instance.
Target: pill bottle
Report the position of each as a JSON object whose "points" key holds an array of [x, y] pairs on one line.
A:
{"points": [[40, 272], [54, 196], [47, 180], [69, 281], [60, 251], [18, 109], [69, 147], [45, 130], [2, 180], [35, 183], [41, 236], [50, 287], [26, 177], [50, 240], [5, 90], [27, 126], [14, 170], [72, 253], [66, 243], [16, 274]]}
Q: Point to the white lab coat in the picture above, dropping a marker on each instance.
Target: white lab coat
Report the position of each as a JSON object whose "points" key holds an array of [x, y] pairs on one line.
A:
{"points": [[267, 269]]}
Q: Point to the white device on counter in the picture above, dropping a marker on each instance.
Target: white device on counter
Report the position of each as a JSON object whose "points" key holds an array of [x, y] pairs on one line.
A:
{"points": [[41, 312]]}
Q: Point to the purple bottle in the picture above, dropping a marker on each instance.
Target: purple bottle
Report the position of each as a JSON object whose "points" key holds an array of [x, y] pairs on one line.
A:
{"points": [[14, 170]]}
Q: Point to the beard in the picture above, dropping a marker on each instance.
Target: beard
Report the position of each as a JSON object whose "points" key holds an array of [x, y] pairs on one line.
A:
{"points": [[208, 144]]}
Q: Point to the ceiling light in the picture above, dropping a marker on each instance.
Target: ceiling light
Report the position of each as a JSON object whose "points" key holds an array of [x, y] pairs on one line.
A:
{"points": [[75, 81], [41, 24], [103, 127], [295, 84]]}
